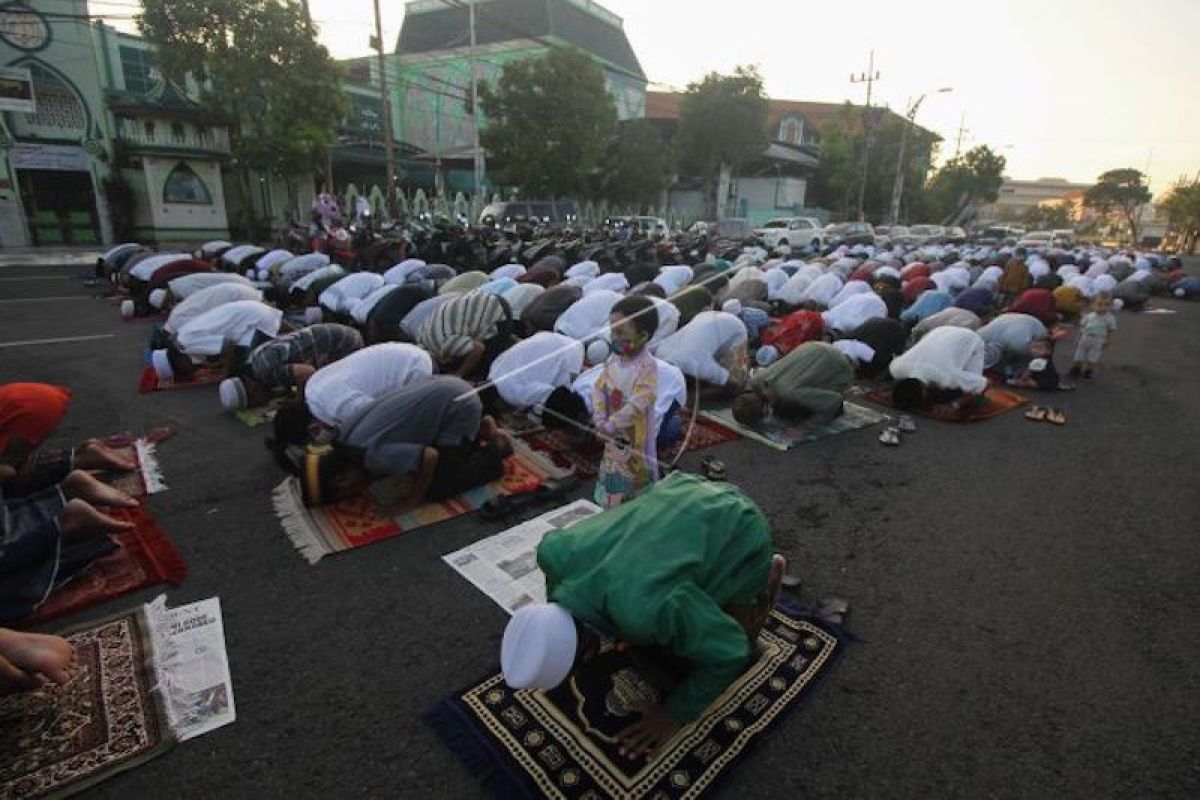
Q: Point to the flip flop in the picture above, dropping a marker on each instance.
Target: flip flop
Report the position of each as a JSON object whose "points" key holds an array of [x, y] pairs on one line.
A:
{"points": [[890, 437], [713, 468], [1037, 413], [1056, 416]]}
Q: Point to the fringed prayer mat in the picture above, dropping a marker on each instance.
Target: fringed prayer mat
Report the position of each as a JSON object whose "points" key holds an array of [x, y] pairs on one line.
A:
{"points": [[59, 740], [994, 402], [203, 376], [583, 454], [144, 557], [561, 744], [318, 532], [783, 435], [147, 479]]}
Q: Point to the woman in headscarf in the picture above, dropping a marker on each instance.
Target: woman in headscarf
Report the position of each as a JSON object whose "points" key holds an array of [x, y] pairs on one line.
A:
{"points": [[50, 528]]}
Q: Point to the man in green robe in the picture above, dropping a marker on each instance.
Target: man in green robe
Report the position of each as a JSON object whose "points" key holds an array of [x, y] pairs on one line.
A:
{"points": [[687, 567], [806, 383]]}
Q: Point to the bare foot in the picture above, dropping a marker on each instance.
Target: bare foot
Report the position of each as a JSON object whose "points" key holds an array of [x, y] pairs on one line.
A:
{"points": [[487, 427], [775, 578], [33, 654], [81, 519], [85, 486], [95, 454]]}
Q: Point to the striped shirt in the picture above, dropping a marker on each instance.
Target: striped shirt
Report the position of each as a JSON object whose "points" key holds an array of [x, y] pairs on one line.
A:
{"points": [[317, 345], [451, 330]]}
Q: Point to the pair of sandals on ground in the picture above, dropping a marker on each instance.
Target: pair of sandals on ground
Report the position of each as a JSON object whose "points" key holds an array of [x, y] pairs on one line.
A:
{"points": [[1055, 416], [891, 434]]}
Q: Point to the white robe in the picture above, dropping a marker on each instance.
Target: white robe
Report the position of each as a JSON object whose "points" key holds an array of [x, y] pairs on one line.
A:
{"points": [[947, 357], [206, 300], [587, 317], [338, 393], [697, 347], [526, 373], [341, 296], [854, 311], [233, 323]]}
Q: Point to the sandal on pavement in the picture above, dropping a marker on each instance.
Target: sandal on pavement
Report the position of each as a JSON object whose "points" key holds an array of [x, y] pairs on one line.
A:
{"points": [[713, 468], [1037, 413], [1056, 416], [890, 436]]}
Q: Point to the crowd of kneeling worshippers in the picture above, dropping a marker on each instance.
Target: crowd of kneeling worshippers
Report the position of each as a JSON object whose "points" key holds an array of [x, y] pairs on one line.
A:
{"points": [[403, 374]]}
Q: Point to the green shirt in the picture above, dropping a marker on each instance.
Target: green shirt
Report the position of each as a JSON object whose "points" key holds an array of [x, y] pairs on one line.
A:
{"points": [[657, 572], [813, 377]]}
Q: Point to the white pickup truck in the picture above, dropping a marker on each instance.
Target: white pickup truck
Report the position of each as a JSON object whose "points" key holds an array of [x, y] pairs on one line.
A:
{"points": [[793, 231]]}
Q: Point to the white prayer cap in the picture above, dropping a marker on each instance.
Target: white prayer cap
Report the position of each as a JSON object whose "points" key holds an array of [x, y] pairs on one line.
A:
{"points": [[856, 349], [127, 309], [732, 306], [538, 649], [233, 394], [1178, 293], [313, 315], [158, 297], [162, 365], [784, 249], [766, 355], [597, 352], [251, 274]]}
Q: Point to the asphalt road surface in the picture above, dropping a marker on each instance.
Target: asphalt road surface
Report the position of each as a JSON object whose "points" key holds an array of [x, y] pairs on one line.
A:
{"points": [[1027, 595]]}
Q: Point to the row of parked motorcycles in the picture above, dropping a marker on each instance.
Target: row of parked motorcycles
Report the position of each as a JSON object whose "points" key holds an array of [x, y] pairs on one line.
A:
{"points": [[367, 245]]}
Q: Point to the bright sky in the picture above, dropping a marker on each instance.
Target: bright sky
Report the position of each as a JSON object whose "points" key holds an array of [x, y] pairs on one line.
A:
{"points": [[1062, 88]]}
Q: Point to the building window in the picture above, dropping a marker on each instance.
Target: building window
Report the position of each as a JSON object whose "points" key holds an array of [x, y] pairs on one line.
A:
{"points": [[185, 186], [138, 67], [148, 127], [791, 131], [177, 132]]}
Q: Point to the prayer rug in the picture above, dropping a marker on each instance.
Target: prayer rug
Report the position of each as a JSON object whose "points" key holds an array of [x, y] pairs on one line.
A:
{"points": [[994, 402], [561, 744], [783, 435], [203, 376], [144, 557], [583, 454], [253, 417], [147, 479], [318, 532], [59, 740]]}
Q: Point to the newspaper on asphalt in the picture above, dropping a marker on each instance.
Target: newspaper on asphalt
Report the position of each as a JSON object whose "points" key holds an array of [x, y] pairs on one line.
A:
{"points": [[504, 566], [191, 665]]}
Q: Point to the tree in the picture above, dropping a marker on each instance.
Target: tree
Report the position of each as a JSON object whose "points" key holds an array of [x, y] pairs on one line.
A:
{"points": [[964, 183], [260, 66], [1044, 217], [722, 124], [548, 121], [1119, 192], [636, 164], [1182, 205], [838, 174]]}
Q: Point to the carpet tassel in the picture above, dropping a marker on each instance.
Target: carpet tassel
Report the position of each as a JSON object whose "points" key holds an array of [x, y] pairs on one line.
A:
{"points": [[294, 518], [152, 474]]}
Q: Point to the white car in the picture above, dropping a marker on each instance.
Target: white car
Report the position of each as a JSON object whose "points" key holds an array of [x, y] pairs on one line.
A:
{"points": [[792, 231], [1037, 240]]}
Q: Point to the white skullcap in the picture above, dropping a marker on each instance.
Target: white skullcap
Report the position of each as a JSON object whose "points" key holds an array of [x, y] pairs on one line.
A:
{"points": [[313, 315], [251, 274], [731, 306], [856, 349], [158, 297], [1178, 293], [784, 249], [597, 352], [538, 649], [233, 394], [162, 365], [1118, 303], [766, 355], [127, 309], [991, 355]]}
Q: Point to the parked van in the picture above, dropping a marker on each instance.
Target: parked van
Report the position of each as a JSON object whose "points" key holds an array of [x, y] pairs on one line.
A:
{"points": [[530, 212]]}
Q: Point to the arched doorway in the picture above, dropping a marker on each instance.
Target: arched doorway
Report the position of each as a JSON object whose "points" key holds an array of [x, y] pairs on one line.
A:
{"points": [[53, 171]]}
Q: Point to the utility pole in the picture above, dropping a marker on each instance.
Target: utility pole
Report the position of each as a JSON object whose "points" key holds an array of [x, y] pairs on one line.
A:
{"points": [[476, 152], [388, 144], [869, 77], [898, 185], [962, 128]]}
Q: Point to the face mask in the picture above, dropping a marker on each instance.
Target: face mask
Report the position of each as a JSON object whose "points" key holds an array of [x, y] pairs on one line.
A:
{"points": [[625, 347]]}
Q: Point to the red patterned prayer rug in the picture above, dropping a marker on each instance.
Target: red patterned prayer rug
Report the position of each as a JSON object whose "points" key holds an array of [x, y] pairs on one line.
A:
{"points": [[145, 557], [582, 454], [147, 478], [318, 532], [59, 740], [204, 375], [994, 402]]}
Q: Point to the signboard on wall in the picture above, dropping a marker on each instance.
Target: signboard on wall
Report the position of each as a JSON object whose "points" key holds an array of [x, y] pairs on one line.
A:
{"points": [[63, 157], [16, 90]]}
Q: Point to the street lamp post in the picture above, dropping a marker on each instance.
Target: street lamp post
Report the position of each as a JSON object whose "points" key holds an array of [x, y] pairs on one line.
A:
{"points": [[898, 185]]}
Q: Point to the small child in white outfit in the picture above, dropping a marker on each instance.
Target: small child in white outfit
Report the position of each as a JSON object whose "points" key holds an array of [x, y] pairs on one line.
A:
{"points": [[1095, 331]]}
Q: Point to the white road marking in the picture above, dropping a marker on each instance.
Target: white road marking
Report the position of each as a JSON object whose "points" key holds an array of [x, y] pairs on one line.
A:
{"points": [[61, 340], [46, 299], [41, 278]]}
